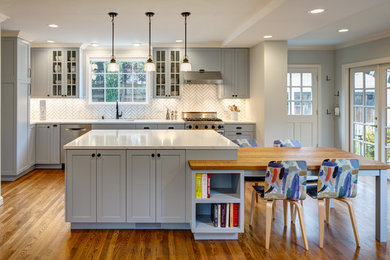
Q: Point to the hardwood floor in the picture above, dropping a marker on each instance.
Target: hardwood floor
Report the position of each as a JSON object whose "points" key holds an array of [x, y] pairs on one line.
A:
{"points": [[32, 226]]}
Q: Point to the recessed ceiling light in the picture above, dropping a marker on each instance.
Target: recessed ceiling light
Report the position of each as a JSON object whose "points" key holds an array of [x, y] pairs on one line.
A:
{"points": [[136, 44], [316, 11], [267, 36], [94, 44], [343, 30], [50, 41], [179, 40], [53, 25]]}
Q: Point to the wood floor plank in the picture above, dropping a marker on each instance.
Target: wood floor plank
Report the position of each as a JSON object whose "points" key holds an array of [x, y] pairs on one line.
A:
{"points": [[32, 226]]}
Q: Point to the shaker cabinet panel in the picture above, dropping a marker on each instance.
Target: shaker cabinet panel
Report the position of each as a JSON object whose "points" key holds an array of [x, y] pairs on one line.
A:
{"points": [[141, 186], [171, 186], [111, 185], [205, 59], [242, 73], [80, 186], [47, 146], [228, 73], [39, 73]]}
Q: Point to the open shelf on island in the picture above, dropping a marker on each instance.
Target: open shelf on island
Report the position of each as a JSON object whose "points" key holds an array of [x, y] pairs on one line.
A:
{"points": [[221, 195], [204, 224]]}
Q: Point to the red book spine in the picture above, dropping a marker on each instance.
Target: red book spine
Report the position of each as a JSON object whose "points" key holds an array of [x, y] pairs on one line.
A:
{"points": [[236, 208], [223, 215], [208, 185]]}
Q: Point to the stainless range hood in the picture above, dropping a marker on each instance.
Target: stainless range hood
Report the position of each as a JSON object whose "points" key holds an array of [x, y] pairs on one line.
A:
{"points": [[202, 77]]}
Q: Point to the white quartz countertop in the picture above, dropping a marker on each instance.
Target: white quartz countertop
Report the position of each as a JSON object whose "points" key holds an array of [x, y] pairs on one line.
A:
{"points": [[109, 121], [151, 139]]}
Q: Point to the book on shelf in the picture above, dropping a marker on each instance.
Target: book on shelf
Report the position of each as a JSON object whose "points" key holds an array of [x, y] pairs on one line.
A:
{"points": [[198, 185], [225, 215], [202, 185]]}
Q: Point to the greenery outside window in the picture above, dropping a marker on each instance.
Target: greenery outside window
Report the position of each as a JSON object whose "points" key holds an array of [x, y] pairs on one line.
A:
{"points": [[128, 85]]}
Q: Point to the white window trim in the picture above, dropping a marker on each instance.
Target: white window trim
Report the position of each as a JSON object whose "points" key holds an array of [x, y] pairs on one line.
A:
{"points": [[88, 79]]}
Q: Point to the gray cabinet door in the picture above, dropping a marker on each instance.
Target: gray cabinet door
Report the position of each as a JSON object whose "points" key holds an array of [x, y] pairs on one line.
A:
{"points": [[39, 72], [43, 140], [171, 186], [55, 143], [227, 90], [141, 186], [80, 186], [206, 59], [111, 185], [31, 145], [242, 73]]}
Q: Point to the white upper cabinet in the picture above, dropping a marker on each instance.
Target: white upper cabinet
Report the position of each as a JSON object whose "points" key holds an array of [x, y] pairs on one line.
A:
{"points": [[55, 72], [235, 73]]}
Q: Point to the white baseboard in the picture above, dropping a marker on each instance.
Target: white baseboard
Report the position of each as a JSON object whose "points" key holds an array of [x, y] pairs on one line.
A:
{"points": [[1, 200]]}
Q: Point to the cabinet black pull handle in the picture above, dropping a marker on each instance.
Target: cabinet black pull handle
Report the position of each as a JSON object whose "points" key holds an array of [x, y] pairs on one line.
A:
{"points": [[54, 125], [238, 127], [146, 127], [239, 133], [98, 155], [93, 155], [171, 127], [48, 126], [153, 155], [158, 155]]}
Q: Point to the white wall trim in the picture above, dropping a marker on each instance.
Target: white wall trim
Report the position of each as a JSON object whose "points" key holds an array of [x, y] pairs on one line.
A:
{"points": [[346, 97], [3, 17], [369, 38], [1, 200], [317, 67], [311, 48]]}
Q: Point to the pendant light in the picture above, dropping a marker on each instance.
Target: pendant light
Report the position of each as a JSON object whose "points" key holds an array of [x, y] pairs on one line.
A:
{"points": [[150, 66], [185, 66], [113, 66]]}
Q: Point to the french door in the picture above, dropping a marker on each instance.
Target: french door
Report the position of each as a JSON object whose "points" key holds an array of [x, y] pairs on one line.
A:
{"points": [[370, 112]]}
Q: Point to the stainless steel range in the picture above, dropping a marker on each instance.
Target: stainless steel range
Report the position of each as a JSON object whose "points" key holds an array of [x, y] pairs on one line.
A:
{"points": [[203, 121]]}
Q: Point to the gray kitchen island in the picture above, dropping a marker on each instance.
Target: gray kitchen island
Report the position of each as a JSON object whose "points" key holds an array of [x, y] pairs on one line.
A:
{"points": [[140, 179]]}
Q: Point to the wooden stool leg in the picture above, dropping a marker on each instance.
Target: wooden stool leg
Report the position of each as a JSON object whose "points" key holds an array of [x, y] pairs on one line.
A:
{"points": [[327, 210], [353, 220], [285, 212], [252, 205], [298, 208], [257, 195], [321, 209], [268, 221], [292, 213], [273, 209]]}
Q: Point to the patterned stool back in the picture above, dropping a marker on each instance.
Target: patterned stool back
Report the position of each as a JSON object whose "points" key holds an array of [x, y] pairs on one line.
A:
{"points": [[287, 143], [285, 180], [245, 142], [338, 178]]}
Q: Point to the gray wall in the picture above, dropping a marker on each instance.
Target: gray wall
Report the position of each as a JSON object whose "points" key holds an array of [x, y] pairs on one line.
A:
{"points": [[362, 52], [325, 58]]}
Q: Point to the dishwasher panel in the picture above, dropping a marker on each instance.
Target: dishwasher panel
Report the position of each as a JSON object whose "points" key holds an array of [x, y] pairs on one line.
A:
{"points": [[69, 133]]}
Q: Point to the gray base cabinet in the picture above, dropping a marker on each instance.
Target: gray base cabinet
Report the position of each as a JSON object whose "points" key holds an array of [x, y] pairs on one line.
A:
{"points": [[171, 201], [111, 185], [141, 186], [80, 181], [47, 148]]}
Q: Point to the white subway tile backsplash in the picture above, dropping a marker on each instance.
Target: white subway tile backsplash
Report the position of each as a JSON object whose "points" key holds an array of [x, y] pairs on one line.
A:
{"points": [[194, 98]]}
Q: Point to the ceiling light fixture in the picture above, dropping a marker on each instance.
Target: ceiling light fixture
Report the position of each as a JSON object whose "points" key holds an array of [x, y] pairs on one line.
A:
{"points": [[343, 30], [179, 40], [316, 11], [149, 65], [113, 66], [53, 25], [185, 66], [94, 44], [50, 41], [136, 44], [267, 36]]}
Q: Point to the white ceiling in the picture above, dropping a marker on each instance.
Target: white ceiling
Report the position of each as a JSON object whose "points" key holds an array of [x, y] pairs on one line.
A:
{"points": [[228, 23]]}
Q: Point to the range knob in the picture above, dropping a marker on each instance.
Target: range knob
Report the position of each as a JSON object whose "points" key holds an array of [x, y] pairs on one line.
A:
{"points": [[219, 126], [213, 126], [196, 127], [190, 127], [206, 126]]}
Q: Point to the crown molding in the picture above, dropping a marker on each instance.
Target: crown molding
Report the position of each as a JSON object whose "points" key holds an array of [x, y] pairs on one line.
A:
{"points": [[311, 48], [3, 17], [18, 34], [55, 45], [369, 38]]}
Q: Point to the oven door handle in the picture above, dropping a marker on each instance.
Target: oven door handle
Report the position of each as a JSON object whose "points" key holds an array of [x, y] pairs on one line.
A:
{"points": [[76, 129]]}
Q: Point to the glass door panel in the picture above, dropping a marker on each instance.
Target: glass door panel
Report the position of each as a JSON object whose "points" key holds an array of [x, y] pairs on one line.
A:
{"points": [[385, 76]]}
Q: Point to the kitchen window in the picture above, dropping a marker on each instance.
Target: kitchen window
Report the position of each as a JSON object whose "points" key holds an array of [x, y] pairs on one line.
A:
{"points": [[128, 85]]}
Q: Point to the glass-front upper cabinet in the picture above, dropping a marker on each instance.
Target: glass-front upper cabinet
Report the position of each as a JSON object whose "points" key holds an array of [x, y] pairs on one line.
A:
{"points": [[64, 75], [167, 77]]}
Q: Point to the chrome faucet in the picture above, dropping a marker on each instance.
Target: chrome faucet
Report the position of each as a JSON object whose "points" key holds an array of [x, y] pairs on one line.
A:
{"points": [[117, 111]]}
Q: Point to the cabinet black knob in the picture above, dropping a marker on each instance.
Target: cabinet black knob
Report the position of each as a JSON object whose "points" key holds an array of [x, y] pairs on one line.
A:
{"points": [[158, 155], [48, 95], [93, 155], [98, 155], [48, 126], [206, 127], [238, 133], [153, 155]]}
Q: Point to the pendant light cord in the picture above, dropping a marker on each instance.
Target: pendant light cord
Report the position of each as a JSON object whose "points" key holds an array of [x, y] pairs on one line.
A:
{"points": [[112, 44], [150, 37], [185, 36]]}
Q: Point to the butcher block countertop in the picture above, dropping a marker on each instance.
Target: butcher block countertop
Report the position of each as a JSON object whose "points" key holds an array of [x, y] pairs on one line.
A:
{"points": [[257, 158]]}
